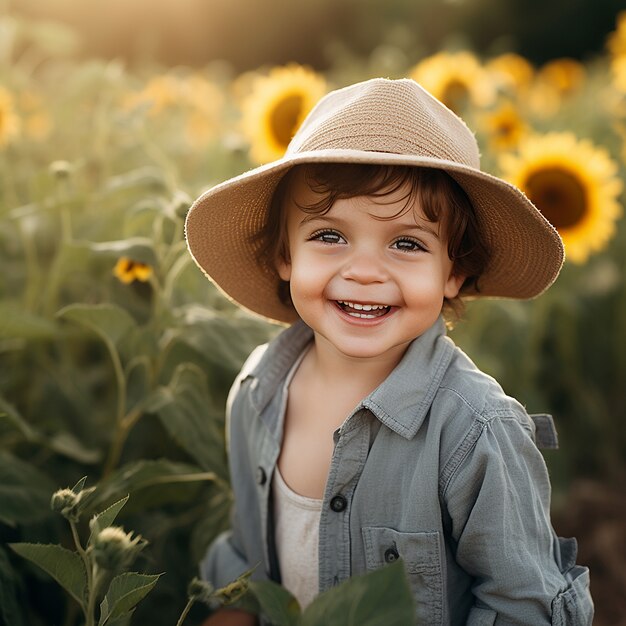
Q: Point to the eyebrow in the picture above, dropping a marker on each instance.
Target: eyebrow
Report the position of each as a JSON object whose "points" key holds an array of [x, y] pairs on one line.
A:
{"points": [[401, 225]]}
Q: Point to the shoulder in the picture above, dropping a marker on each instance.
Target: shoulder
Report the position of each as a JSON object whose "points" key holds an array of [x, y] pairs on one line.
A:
{"points": [[477, 418], [476, 395]]}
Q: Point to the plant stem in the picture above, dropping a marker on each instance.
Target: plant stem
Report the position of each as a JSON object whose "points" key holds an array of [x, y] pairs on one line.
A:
{"points": [[85, 558], [186, 610], [93, 596], [121, 430]]}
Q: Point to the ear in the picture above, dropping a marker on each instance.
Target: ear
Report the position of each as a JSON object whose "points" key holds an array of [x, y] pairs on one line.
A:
{"points": [[453, 285], [283, 267]]}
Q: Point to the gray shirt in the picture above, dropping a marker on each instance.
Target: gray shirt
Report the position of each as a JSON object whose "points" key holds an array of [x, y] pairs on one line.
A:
{"points": [[436, 466]]}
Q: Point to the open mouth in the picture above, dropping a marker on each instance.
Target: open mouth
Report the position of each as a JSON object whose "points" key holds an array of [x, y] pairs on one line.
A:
{"points": [[366, 311]]}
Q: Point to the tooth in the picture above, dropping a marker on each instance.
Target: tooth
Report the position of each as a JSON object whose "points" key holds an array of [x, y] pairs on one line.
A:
{"points": [[357, 306], [368, 307]]}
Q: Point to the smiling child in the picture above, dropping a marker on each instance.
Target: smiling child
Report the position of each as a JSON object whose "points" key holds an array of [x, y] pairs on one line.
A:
{"points": [[362, 434]]}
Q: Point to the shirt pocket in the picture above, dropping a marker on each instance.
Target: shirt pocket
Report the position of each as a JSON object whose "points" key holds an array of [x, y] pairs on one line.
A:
{"points": [[420, 554]]}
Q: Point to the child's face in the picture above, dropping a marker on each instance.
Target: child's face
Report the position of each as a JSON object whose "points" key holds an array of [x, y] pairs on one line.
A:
{"points": [[367, 286]]}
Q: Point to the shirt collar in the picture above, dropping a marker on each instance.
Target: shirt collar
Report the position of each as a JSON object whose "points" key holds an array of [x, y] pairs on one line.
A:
{"points": [[401, 401]]}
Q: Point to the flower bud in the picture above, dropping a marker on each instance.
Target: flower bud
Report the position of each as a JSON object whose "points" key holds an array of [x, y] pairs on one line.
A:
{"points": [[114, 550], [200, 590], [64, 501], [232, 592], [60, 169]]}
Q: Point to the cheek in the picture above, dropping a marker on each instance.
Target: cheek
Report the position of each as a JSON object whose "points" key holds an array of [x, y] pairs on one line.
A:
{"points": [[309, 280]]}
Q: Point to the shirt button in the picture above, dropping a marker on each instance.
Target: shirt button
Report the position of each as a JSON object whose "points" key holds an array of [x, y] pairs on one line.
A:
{"points": [[338, 504], [391, 555], [261, 476]]}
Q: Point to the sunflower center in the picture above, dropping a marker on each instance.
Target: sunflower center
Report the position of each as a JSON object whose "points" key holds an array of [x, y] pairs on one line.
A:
{"points": [[284, 118], [506, 128], [455, 95], [559, 195]]}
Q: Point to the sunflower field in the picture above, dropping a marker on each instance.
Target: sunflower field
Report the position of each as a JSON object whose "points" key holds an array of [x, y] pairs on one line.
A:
{"points": [[116, 353]]}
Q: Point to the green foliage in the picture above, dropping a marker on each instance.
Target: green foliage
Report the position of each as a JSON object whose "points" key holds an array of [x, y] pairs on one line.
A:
{"points": [[378, 598], [86, 574], [65, 566], [125, 591], [127, 382]]}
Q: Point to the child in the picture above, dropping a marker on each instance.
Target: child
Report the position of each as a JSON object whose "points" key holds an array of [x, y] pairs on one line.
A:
{"points": [[361, 434]]}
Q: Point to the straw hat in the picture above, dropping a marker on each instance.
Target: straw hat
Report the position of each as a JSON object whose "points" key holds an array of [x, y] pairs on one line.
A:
{"points": [[384, 122]]}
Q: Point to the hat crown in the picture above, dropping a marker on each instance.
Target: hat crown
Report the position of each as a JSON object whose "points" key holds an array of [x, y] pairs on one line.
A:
{"points": [[390, 116]]}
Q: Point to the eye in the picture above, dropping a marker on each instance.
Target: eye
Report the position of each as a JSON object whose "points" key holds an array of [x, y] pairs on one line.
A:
{"points": [[327, 236], [407, 244]]}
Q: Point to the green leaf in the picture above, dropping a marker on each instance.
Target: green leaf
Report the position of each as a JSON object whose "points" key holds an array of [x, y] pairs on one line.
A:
{"points": [[65, 566], [125, 592], [66, 444], [24, 491], [8, 413], [184, 409], [277, 604], [80, 485], [150, 483], [223, 341], [105, 518], [145, 177], [16, 323], [139, 249], [10, 610], [379, 598], [108, 321], [63, 443]]}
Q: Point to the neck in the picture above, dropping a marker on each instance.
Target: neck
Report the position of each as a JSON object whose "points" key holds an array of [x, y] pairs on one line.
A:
{"points": [[334, 368]]}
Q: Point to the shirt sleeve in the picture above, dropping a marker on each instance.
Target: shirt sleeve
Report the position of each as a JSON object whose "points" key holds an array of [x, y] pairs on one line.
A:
{"points": [[498, 500], [225, 559]]}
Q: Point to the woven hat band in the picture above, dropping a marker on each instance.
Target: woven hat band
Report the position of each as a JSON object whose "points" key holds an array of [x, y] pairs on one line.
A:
{"points": [[374, 118]]}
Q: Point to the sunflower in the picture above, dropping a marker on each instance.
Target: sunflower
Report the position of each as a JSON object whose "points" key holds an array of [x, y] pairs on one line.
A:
{"points": [[616, 42], [37, 123], [127, 271], [618, 69], [511, 72], [456, 79], [204, 104], [574, 184], [159, 94], [565, 75], [276, 106], [504, 126], [9, 121]]}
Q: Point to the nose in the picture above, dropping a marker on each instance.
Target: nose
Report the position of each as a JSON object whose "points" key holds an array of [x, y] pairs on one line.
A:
{"points": [[364, 266]]}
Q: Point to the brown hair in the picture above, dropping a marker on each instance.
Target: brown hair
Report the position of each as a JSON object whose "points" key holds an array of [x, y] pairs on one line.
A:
{"points": [[437, 194]]}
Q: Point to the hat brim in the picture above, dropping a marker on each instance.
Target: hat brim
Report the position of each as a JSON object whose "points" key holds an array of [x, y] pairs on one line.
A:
{"points": [[526, 251]]}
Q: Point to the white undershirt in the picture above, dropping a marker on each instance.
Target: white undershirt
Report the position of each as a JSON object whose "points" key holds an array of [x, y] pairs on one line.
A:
{"points": [[296, 528]]}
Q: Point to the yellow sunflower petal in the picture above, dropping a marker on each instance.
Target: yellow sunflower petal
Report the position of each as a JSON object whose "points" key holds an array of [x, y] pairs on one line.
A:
{"points": [[456, 79], [276, 106], [126, 270], [511, 72], [123, 270], [142, 271], [9, 121], [565, 75], [574, 184], [616, 42], [504, 126], [618, 69]]}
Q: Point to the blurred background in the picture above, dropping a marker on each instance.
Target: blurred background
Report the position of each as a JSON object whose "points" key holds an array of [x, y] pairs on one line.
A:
{"points": [[248, 34], [116, 354]]}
